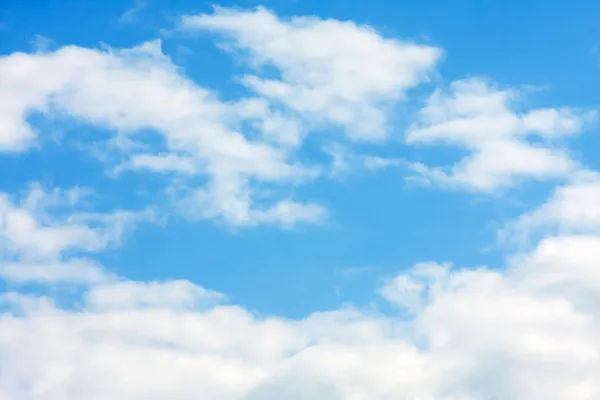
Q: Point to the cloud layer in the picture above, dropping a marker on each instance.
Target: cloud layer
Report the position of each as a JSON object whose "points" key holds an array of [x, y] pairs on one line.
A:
{"points": [[527, 332]]}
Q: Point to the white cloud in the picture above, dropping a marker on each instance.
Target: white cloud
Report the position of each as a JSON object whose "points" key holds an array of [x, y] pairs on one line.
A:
{"points": [[275, 126], [482, 119], [133, 295], [23, 234], [131, 91], [474, 333], [332, 72], [161, 163], [288, 213], [344, 161], [527, 332], [573, 208], [410, 291], [232, 198], [42, 235], [567, 264], [72, 271]]}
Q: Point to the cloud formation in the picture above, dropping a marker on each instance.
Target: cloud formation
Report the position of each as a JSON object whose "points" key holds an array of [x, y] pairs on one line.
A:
{"points": [[526, 331], [130, 92], [47, 238], [331, 72], [482, 118]]}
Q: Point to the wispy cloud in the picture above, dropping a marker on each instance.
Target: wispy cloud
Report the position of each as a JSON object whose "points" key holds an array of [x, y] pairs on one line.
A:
{"points": [[130, 14]]}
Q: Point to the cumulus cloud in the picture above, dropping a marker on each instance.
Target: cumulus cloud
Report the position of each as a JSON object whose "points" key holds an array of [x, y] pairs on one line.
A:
{"points": [[331, 72], [42, 242], [529, 331], [131, 91], [573, 208], [482, 118]]}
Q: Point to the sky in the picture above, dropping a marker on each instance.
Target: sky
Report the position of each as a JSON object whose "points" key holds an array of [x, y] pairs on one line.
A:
{"points": [[297, 199]]}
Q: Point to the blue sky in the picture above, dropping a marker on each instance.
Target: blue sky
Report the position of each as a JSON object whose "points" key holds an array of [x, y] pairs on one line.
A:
{"points": [[378, 221], [301, 157]]}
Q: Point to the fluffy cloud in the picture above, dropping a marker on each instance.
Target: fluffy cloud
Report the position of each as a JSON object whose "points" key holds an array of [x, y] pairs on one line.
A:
{"points": [[46, 234], [332, 72], [132, 91], [527, 332], [482, 118], [573, 208], [475, 333]]}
